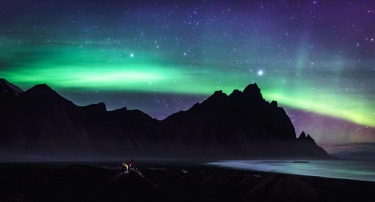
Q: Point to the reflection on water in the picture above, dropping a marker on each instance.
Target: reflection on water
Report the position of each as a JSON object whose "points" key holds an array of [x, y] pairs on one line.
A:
{"points": [[356, 170]]}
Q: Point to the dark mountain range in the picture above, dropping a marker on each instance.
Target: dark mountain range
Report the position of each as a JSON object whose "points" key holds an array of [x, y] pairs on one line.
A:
{"points": [[39, 123]]}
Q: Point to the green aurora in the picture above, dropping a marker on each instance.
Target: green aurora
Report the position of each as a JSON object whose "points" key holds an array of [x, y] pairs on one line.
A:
{"points": [[94, 68], [314, 61]]}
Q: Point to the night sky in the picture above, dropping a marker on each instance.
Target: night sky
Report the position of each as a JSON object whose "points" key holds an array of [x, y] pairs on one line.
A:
{"points": [[316, 58]]}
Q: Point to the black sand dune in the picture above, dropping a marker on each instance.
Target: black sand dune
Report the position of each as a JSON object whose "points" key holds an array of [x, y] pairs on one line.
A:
{"points": [[169, 182]]}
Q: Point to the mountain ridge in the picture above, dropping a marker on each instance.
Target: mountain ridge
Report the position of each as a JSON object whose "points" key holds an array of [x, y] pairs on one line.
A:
{"points": [[242, 124], [8, 90]]}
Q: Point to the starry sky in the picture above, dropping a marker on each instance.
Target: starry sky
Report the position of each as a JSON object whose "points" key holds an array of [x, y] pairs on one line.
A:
{"points": [[316, 58]]}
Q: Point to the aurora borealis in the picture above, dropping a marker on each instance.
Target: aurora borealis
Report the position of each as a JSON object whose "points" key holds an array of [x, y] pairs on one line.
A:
{"points": [[316, 58]]}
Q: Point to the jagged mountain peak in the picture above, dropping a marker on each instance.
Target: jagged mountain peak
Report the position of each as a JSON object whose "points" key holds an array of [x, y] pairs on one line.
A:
{"points": [[43, 94], [236, 93], [219, 93], [252, 87], [9, 88], [253, 91], [218, 97], [274, 103], [304, 137]]}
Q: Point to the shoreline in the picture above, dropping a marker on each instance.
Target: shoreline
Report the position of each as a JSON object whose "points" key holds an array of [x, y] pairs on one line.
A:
{"points": [[308, 168]]}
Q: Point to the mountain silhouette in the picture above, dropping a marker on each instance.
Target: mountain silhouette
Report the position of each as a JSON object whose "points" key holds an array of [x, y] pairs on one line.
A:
{"points": [[241, 125], [40, 123], [8, 90], [42, 94]]}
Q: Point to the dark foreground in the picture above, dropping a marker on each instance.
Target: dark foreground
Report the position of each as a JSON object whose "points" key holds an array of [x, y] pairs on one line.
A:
{"points": [[169, 182]]}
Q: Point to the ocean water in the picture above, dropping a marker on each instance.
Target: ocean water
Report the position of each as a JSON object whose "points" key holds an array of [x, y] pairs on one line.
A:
{"points": [[342, 169]]}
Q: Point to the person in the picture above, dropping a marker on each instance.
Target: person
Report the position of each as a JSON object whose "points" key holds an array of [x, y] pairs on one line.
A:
{"points": [[132, 165], [124, 168]]}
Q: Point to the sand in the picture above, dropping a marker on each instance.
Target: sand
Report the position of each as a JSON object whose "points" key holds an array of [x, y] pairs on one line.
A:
{"points": [[168, 181]]}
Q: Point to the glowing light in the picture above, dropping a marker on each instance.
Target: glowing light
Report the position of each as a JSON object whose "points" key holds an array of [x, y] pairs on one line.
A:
{"points": [[349, 111], [260, 72]]}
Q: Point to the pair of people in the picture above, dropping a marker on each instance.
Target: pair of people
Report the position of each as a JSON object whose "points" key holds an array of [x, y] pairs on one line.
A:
{"points": [[127, 167], [130, 167]]}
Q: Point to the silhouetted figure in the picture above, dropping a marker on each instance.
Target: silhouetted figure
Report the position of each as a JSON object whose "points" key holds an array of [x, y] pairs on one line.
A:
{"points": [[132, 165]]}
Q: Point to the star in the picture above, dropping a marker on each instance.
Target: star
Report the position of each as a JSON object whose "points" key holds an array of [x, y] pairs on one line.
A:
{"points": [[260, 72]]}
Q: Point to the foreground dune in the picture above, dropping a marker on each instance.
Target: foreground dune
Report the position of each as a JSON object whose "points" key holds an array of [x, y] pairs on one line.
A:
{"points": [[169, 182]]}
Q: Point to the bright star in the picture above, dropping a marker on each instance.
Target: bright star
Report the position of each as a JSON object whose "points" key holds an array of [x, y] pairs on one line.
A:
{"points": [[260, 72], [131, 55]]}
